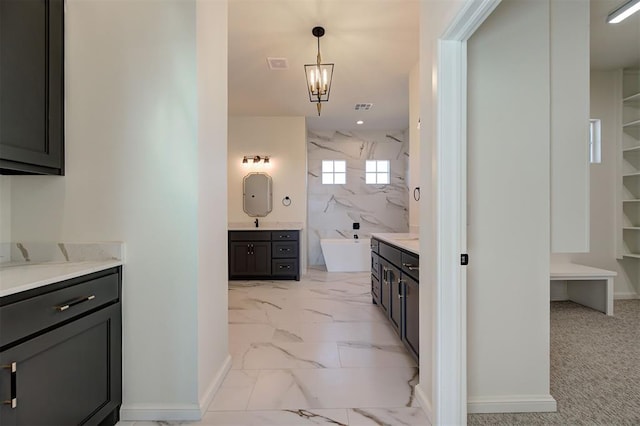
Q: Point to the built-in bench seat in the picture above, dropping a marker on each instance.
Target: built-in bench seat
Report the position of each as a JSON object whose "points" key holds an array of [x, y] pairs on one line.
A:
{"points": [[592, 287]]}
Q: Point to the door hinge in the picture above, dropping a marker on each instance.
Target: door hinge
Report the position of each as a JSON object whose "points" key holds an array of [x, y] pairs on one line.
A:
{"points": [[464, 259]]}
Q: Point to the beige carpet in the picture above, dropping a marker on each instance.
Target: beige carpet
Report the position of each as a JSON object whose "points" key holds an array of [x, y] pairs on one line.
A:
{"points": [[595, 369]]}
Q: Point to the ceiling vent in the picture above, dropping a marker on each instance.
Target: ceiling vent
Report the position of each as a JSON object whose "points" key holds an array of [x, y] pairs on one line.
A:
{"points": [[363, 107], [278, 63]]}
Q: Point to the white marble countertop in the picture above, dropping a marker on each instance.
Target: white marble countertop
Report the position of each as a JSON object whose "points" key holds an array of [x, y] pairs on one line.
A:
{"points": [[407, 241], [265, 226], [17, 277], [29, 265]]}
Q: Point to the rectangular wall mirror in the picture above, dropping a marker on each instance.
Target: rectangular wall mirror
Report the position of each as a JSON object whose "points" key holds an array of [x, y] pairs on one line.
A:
{"points": [[257, 190]]}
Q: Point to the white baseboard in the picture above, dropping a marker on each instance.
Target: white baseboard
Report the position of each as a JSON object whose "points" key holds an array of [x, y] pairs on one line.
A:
{"points": [[424, 402], [216, 382], [173, 412], [167, 412], [626, 295], [512, 404]]}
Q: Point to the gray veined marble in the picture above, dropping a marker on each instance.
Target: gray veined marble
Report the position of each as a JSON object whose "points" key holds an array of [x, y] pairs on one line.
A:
{"points": [[334, 208]]}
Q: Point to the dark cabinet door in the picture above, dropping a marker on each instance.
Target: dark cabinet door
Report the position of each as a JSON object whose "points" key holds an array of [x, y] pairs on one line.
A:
{"points": [[395, 298], [68, 376], [375, 290], [261, 258], [31, 86], [385, 291], [410, 314], [249, 258]]}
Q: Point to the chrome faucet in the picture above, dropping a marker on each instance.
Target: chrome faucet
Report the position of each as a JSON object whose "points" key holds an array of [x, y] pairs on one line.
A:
{"points": [[256, 222]]}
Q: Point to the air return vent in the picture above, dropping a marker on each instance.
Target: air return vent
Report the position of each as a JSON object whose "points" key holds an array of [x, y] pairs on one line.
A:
{"points": [[363, 107], [278, 63]]}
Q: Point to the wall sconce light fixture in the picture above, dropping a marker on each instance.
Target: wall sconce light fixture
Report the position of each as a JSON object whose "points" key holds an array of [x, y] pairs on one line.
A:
{"points": [[255, 159]]}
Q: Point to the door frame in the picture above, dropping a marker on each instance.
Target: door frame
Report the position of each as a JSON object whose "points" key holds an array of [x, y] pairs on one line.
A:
{"points": [[450, 339]]}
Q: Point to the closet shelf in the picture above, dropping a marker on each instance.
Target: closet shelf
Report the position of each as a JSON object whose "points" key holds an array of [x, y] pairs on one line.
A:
{"points": [[635, 123], [631, 201], [632, 228], [636, 174], [633, 255], [632, 149], [632, 99]]}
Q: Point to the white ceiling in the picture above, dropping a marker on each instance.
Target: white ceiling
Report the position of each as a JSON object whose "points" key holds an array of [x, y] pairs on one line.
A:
{"points": [[374, 45]]}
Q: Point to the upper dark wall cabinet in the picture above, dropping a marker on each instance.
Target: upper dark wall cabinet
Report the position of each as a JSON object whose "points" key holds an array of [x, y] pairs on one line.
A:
{"points": [[32, 87]]}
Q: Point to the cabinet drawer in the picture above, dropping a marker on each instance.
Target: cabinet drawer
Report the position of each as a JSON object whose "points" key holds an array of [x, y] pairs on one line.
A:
{"points": [[283, 249], [249, 235], [284, 236], [375, 265], [23, 318], [375, 245], [284, 267], [411, 265], [391, 253]]}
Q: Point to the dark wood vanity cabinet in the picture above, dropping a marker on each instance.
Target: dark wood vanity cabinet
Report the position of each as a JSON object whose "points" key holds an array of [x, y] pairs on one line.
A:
{"points": [[32, 87], [264, 255], [249, 254], [61, 353], [394, 287]]}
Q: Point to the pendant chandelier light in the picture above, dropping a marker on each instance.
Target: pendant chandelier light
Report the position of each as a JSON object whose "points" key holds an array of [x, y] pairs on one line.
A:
{"points": [[319, 76]]}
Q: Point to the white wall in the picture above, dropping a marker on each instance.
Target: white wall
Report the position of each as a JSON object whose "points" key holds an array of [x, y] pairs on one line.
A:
{"points": [[569, 126], [414, 147], [509, 210], [604, 181], [134, 174], [5, 210], [211, 26], [284, 140], [435, 17]]}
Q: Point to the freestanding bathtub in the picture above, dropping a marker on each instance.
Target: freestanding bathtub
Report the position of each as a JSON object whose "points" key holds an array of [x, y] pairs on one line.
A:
{"points": [[345, 255]]}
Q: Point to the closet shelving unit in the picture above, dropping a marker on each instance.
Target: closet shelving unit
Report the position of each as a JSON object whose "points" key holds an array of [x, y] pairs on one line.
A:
{"points": [[630, 169]]}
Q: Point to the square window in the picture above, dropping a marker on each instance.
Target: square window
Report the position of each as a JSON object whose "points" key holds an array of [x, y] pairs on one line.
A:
{"points": [[378, 172], [595, 144], [334, 172], [327, 166]]}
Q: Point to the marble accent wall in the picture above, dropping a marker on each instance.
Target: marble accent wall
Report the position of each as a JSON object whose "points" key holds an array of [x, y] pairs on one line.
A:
{"points": [[333, 209]]}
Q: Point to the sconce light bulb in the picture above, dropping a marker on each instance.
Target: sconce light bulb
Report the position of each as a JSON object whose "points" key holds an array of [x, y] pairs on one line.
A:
{"points": [[256, 159], [266, 160], [244, 160]]}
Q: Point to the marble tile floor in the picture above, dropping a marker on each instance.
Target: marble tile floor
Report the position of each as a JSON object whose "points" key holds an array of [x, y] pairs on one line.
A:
{"points": [[313, 352]]}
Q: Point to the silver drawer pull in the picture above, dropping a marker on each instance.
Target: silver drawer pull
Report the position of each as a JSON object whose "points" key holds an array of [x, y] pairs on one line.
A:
{"points": [[411, 267], [75, 302], [285, 249], [285, 236], [13, 402], [284, 267]]}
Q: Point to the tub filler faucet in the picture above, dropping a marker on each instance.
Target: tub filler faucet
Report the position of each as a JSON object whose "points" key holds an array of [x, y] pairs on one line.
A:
{"points": [[256, 222]]}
